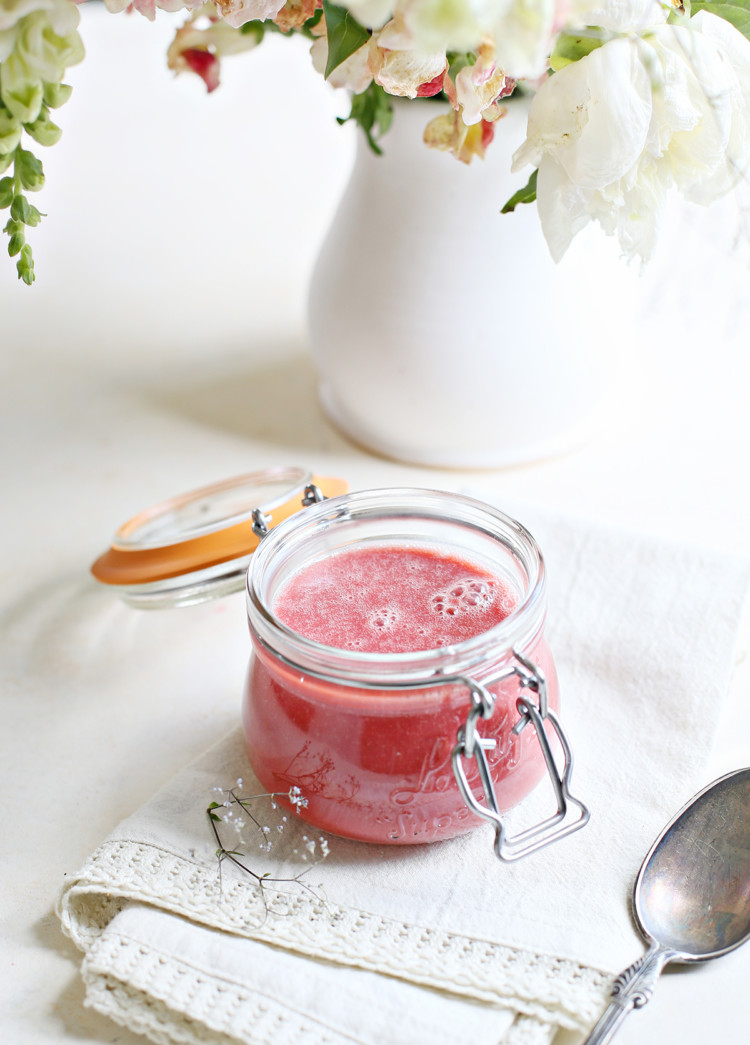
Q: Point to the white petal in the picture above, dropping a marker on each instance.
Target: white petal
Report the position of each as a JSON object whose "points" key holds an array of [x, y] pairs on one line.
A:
{"points": [[371, 13], [594, 115], [237, 12], [403, 72], [562, 207], [626, 16], [524, 38]]}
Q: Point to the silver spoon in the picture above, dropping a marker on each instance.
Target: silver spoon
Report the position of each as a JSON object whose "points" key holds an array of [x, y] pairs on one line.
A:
{"points": [[692, 893]]}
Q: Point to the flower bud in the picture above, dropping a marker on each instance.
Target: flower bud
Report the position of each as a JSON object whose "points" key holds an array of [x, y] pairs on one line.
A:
{"points": [[10, 133], [30, 170], [44, 131], [19, 209], [56, 94], [6, 192], [16, 243], [21, 97], [25, 266]]}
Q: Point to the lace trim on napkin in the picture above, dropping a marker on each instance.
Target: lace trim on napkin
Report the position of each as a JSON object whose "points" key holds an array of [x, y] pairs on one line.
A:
{"points": [[133, 985], [543, 987], [124, 978]]}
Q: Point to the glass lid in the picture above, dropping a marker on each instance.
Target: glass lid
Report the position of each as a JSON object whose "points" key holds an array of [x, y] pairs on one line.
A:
{"points": [[198, 545]]}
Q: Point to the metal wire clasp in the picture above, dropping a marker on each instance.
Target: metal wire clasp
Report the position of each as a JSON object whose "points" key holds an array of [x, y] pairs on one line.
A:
{"points": [[571, 813], [312, 494]]}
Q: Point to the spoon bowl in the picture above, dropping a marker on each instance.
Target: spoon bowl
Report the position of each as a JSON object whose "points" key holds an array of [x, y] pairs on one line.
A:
{"points": [[692, 893]]}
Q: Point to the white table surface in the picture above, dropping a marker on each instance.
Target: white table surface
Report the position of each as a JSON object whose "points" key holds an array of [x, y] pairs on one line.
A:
{"points": [[162, 347]]}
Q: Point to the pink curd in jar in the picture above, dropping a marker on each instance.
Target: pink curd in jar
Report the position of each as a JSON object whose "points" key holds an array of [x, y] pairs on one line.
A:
{"points": [[375, 764]]}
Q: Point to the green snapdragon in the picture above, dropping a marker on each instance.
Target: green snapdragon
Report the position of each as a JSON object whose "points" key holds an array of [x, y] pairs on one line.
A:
{"points": [[37, 46]]}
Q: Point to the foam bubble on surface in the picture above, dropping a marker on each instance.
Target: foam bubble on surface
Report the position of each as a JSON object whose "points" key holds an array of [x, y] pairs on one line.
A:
{"points": [[393, 599], [469, 594], [383, 619]]}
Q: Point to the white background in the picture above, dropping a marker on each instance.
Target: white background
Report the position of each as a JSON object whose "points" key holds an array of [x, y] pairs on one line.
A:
{"points": [[162, 347]]}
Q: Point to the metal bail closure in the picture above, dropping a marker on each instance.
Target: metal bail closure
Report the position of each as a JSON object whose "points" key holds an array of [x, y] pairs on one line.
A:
{"points": [[198, 545], [571, 813]]}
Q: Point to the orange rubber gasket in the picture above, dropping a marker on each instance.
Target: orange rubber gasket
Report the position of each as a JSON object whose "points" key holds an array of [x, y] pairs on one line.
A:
{"points": [[121, 566]]}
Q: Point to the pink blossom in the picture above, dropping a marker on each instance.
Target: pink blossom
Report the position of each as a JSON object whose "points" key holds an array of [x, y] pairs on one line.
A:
{"points": [[295, 13], [432, 87], [448, 133], [205, 64], [480, 86], [200, 43], [148, 7], [237, 12]]}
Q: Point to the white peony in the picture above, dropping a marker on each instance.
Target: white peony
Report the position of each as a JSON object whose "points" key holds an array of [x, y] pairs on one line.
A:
{"points": [[372, 13], [449, 24], [611, 133], [524, 34], [624, 16], [521, 30]]}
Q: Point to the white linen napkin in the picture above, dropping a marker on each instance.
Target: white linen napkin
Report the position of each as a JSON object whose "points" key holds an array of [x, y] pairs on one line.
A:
{"points": [[438, 943]]}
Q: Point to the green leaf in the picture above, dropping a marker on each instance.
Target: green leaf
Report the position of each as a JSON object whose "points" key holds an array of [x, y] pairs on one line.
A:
{"points": [[20, 209], [345, 35], [525, 195], [29, 169], [7, 192], [457, 60], [254, 28], [312, 22], [373, 107], [570, 47], [34, 216], [737, 12], [215, 817], [6, 159]]}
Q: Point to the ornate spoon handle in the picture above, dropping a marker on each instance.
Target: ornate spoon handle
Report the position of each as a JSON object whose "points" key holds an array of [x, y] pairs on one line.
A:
{"points": [[631, 990]]}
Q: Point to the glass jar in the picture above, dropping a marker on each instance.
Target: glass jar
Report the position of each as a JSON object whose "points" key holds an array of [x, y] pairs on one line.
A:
{"points": [[385, 747]]}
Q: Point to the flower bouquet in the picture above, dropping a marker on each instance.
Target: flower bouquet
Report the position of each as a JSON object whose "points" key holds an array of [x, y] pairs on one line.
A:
{"points": [[630, 98]]}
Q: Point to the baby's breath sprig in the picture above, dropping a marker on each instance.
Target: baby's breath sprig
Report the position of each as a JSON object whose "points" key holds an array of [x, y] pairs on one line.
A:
{"points": [[237, 812]]}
